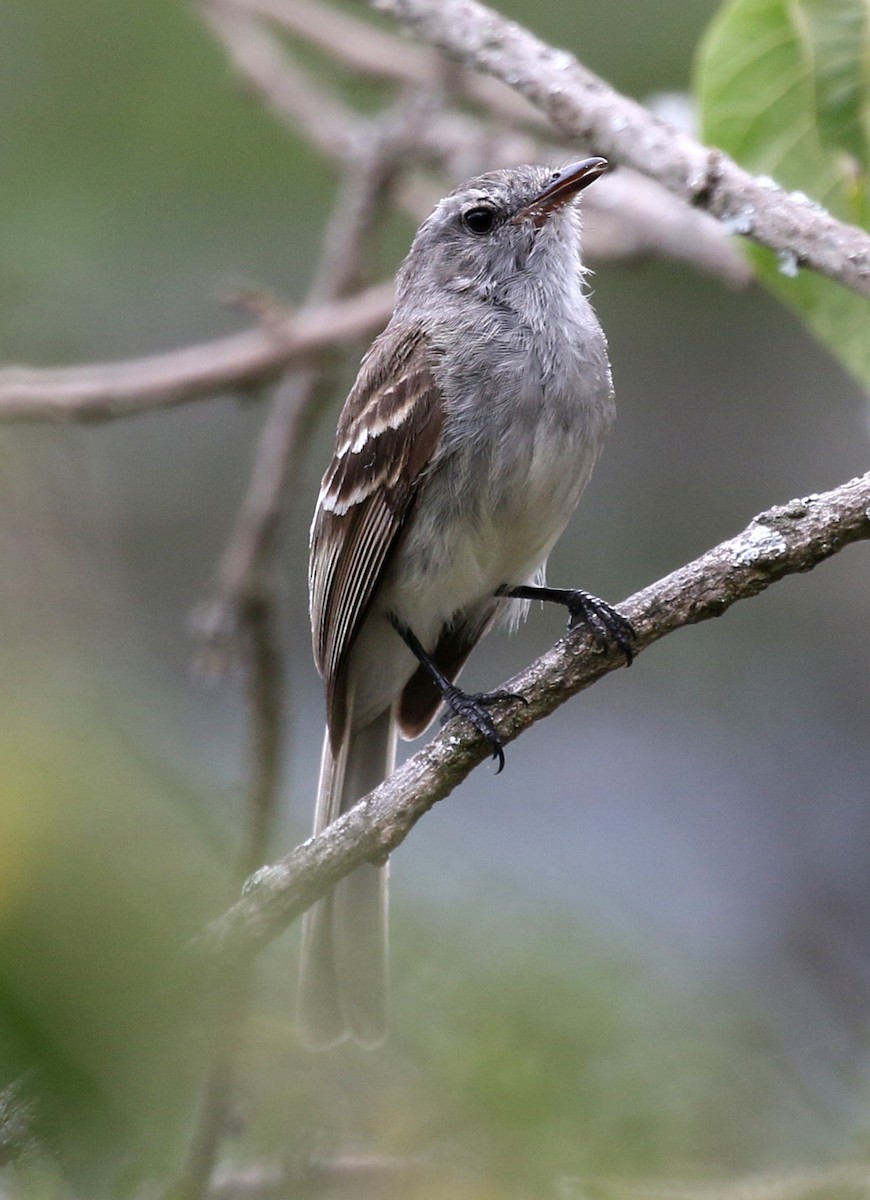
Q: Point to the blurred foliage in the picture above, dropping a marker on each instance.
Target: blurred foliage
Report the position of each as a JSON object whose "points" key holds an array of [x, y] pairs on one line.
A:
{"points": [[136, 176], [100, 1020], [784, 87], [524, 1063]]}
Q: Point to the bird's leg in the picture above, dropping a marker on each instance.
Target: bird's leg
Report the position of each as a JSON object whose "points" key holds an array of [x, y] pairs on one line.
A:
{"points": [[604, 624], [471, 706]]}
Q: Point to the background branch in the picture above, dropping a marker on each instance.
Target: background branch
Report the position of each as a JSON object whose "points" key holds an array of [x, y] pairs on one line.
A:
{"points": [[578, 103], [284, 88], [370, 167], [583, 106], [628, 216], [103, 391]]}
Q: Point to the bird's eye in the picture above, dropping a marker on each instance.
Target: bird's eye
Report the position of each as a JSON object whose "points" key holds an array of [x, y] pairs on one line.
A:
{"points": [[479, 219]]}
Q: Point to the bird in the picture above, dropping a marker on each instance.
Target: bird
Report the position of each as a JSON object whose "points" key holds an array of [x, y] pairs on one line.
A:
{"points": [[461, 452]]}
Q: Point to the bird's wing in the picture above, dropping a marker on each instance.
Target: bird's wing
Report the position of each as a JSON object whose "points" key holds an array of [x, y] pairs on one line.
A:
{"points": [[387, 434]]}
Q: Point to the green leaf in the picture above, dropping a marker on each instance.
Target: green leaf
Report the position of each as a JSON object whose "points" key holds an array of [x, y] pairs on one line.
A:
{"points": [[784, 88], [838, 29]]}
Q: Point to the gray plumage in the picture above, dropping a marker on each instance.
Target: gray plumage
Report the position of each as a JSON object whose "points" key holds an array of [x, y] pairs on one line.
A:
{"points": [[462, 450]]}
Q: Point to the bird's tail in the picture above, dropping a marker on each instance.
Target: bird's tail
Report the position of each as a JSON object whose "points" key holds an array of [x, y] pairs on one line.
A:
{"points": [[343, 968]]}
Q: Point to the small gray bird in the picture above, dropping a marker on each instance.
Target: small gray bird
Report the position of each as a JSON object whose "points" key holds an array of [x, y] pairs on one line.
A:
{"points": [[462, 450]]}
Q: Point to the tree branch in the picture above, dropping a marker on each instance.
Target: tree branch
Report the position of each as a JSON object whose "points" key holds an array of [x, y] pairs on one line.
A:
{"points": [[101, 391], [584, 107], [362, 48], [264, 65], [782, 541], [635, 216], [631, 215]]}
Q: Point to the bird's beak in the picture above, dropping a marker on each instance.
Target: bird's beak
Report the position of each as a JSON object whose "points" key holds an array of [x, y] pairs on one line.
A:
{"points": [[562, 189]]}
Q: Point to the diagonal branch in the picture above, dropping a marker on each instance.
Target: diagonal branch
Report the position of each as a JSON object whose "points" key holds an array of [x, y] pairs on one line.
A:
{"points": [[283, 87], [785, 540], [584, 107]]}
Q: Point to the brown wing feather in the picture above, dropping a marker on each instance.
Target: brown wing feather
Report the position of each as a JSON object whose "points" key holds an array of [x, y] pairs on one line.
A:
{"points": [[387, 433]]}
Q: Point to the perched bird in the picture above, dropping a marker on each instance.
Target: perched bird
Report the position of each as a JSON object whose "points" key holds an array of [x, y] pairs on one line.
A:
{"points": [[461, 452]]}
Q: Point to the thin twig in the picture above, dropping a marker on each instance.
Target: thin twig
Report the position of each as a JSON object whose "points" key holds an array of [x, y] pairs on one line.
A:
{"points": [[365, 50], [350, 1175], [583, 106], [231, 999], [219, 618], [792, 538], [240, 362], [265, 693], [282, 442], [839, 1181], [265, 66]]}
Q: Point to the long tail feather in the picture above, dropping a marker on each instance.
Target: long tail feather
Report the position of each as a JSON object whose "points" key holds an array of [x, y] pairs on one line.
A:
{"points": [[343, 969]]}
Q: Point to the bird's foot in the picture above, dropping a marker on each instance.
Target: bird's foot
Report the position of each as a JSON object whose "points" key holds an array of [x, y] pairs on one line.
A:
{"points": [[604, 624], [601, 621], [472, 707]]}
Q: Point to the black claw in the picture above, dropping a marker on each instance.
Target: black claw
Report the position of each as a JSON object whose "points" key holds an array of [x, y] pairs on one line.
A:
{"points": [[471, 707], [604, 624]]}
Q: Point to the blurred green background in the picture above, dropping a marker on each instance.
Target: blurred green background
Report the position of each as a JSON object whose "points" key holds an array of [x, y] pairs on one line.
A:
{"points": [[643, 950]]}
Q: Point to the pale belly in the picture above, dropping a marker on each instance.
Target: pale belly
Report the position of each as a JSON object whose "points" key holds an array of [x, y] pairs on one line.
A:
{"points": [[454, 564]]}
